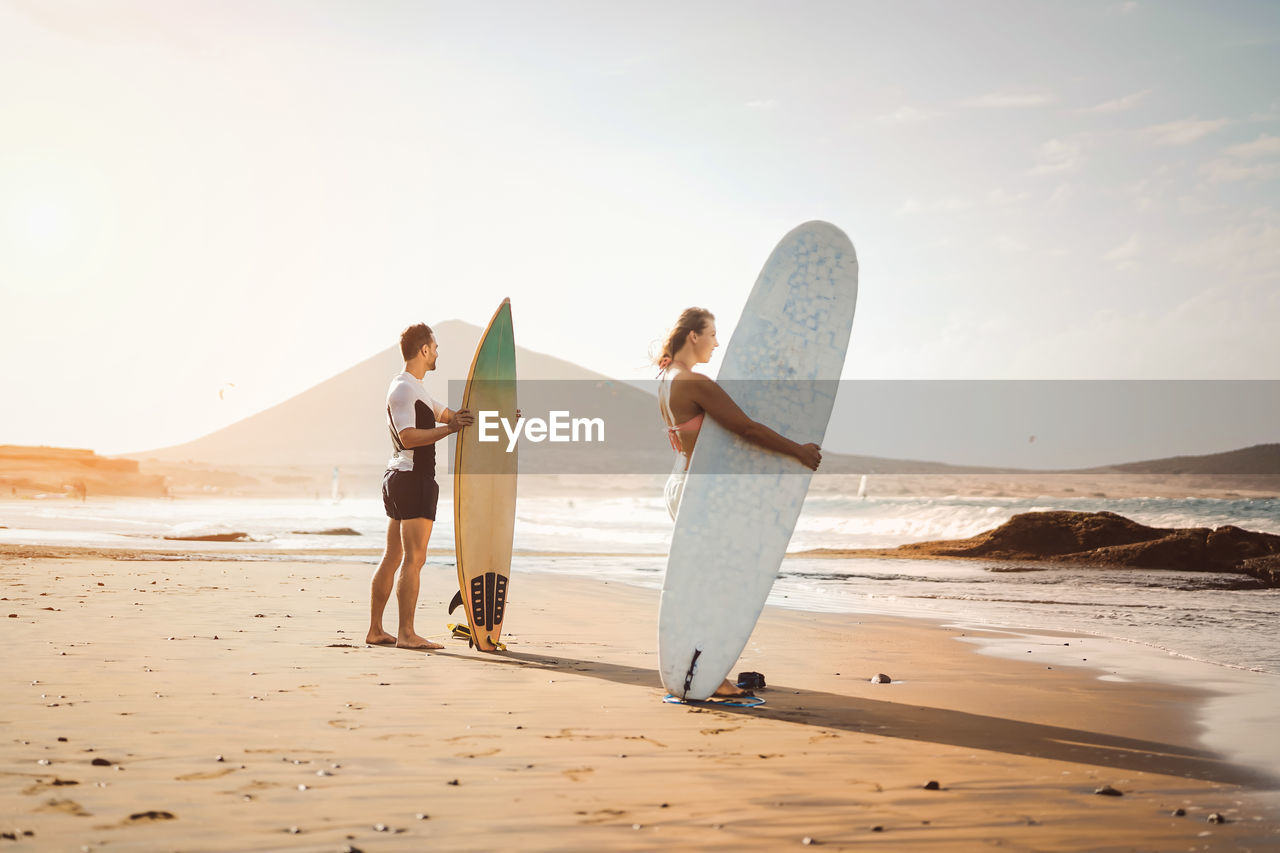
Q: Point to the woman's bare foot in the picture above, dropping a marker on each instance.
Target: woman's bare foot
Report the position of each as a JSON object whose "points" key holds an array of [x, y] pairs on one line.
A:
{"points": [[413, 641], [380, 638], [729, 690]]}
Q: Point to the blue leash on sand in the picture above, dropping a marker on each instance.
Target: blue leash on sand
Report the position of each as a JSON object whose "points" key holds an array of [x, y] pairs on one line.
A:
{"points": [[742, 702]]}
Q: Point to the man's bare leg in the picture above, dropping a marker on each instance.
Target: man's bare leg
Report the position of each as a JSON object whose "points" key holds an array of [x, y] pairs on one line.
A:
{"points": [[415, 533], [382, 584]]}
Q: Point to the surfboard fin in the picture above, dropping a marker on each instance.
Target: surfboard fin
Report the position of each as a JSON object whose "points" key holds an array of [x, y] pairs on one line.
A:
{"points": [[456, 602]]}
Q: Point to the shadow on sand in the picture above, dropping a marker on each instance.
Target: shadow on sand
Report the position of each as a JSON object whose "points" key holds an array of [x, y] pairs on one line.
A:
{"points": [[934, 725]]}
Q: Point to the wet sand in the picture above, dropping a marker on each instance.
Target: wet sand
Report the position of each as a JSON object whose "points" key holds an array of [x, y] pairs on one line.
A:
{"points": [[239, 709]]}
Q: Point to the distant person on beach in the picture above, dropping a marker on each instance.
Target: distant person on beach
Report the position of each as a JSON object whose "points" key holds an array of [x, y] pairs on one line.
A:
{"points": [[686, 397], [409, 488]]}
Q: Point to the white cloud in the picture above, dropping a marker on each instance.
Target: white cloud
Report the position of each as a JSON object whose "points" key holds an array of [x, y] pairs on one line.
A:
{"points": [[1061, 193], [1057, 155], [1126, 8], [1240, 162], [1001, 197], [1184, 131], [1226, 170], [1246, 250], [762, 104], [906, 114], [1125, 255], [1009, 246], [1263, 146], [1009, 100], [943, 205], [1118, 104]]}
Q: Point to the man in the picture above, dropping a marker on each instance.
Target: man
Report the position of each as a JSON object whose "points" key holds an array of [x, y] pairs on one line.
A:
{"points": [[409, 489]]}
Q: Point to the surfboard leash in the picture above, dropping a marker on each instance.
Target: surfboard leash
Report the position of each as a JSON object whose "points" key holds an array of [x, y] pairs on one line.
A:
{"points": [[743, 702], [688, 676]]}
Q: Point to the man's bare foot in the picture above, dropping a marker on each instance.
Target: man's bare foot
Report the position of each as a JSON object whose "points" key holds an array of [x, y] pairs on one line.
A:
{"points": [[380, 638], [413, 641], [729, 690]]}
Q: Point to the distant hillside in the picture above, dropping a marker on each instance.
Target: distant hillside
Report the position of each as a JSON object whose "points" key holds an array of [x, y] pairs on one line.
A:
{"points": [[1259, 459], [342, 421], [69, 471]]}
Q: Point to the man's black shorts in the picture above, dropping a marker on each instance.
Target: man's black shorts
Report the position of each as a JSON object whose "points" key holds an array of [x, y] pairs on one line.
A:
{"points": [[408, 495]]}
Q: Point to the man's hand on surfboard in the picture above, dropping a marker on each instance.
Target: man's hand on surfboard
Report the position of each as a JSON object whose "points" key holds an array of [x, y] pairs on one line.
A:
{"points": [[460, 419]]}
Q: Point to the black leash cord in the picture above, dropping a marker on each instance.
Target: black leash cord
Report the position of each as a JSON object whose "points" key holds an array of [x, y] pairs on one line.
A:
{"points": [[688, 676]]}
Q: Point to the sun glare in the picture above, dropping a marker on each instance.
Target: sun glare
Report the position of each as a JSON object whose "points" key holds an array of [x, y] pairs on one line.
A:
{"points": [[43, 225]]}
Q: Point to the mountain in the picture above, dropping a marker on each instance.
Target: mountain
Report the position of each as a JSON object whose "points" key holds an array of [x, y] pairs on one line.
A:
{"points": [[342, 421], [1259, 459]]}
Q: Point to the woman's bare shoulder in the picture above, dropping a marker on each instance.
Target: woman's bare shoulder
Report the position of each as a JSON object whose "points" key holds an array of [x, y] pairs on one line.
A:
{"points": [[692, 376]]}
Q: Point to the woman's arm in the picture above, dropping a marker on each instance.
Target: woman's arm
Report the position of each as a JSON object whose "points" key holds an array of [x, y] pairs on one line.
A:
{"points": [[720, 406]]}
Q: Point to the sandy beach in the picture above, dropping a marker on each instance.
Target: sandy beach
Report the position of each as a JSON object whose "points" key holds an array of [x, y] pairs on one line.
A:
{"points": [[231, 705]]}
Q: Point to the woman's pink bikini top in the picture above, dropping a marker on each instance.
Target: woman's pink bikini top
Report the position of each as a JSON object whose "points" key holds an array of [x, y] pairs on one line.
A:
{"points": [[692, 425], [673, 432]]}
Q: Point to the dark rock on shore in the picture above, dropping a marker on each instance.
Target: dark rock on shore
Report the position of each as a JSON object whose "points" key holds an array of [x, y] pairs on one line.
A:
{"points": [[1265, 569], [1107, 539], [210, 537]]}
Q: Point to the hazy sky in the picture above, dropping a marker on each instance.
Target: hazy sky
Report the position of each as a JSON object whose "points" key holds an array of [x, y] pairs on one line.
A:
{"points": [[206, 207]]}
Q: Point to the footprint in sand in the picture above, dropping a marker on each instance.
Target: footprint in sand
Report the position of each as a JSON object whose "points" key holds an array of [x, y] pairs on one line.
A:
{"points": [[56, 806], [485, 754], [720, 731], [344, 724], [42, 785], [578, 773], [207, 774]]}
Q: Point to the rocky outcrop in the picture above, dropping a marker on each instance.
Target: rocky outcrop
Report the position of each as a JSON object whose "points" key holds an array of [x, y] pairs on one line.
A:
{"points": [[1107, 539], [1265, 569]]}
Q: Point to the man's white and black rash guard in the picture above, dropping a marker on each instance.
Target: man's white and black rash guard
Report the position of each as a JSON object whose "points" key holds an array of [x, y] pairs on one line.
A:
{"points": [[409, 405]]}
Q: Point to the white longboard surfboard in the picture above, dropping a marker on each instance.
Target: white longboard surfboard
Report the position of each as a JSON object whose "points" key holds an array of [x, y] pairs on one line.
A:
{"points": [[740, 501]]}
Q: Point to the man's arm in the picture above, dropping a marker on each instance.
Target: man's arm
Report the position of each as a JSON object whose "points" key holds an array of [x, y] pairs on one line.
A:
{"points": [[412, 437]]}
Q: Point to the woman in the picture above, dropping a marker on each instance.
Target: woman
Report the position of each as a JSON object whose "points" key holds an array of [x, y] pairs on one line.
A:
{"points": [[685, 397]]}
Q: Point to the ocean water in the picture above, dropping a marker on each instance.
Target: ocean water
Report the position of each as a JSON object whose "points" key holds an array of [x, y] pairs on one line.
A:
{"points": [[1214, 618]]}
